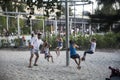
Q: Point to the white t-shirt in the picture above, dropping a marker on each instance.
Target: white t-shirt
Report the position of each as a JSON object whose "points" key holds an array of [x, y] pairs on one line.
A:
{"points": [[46, 49], [36, 43], [93, 46]]}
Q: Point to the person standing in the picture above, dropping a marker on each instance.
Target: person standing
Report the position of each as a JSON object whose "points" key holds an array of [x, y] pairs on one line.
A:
{"points": [[35, 44]]}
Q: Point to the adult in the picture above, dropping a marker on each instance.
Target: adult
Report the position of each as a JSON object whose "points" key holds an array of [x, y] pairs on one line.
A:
{"points": [[35, 44]]}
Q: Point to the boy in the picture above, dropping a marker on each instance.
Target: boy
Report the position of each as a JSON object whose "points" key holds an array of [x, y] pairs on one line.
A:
{"points": [[73, 53]]}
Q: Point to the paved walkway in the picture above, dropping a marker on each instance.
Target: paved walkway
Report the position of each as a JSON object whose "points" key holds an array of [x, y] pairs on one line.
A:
{"points": [[13, 66]]}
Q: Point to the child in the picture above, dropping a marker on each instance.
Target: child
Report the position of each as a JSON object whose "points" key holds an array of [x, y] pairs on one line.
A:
{"points": [[60, 46], [73, 53], [47, 51], [92, 48]]}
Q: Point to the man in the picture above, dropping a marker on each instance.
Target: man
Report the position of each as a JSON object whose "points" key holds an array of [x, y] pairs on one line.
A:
{"points": [[35, 44]]}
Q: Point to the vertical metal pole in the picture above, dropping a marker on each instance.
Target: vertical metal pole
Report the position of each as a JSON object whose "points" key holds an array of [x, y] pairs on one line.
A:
{"points": [[67, 33], [43, 23], [74, 21], [7, 18], [70, 28], [43, 28], [31, 25], [7, 22], [55, 25], [18, 25], [90, 30], [82, 20], [92, 7]]}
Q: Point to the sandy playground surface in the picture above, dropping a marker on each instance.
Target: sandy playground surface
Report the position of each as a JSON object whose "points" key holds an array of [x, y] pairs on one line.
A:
{"points": [[14, 66]]}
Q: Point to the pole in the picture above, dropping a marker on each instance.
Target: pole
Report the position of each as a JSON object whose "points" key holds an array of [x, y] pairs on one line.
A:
{"points": [[7, 18], [43, 28], [70, 28], [82, 20], [92, 7], [67, 33], [43, 24], [31, 25], [7, 22], [18, 25], [74, 21]]}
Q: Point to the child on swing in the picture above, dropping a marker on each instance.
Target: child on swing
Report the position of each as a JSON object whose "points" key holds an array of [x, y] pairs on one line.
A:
{"points": [[47, 51], [91, 50], [73, 53]]}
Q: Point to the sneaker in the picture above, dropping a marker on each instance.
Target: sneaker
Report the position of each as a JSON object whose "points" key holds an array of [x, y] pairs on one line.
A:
{"points": [[29, 66], [83, 58], [79, 67], [35, 64]]}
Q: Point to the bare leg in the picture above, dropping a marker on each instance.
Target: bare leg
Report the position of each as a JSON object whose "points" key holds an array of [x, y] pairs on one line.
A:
{"points": [[58, 52], [52, 59], [84, 55], [78, 63], [30, 61], [36, 59], [47, 58]]}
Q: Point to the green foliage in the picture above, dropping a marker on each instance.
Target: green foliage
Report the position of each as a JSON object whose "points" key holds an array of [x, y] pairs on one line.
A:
{"points": [[2, 23], [107, 13], [5, 43], [52, 41], [106, 41], [80, 40], [17, 42], [109, 40]]}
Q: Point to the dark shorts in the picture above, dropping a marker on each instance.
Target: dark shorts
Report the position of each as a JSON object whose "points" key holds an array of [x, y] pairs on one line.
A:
{"points": [[89, 52], [75, 56]]}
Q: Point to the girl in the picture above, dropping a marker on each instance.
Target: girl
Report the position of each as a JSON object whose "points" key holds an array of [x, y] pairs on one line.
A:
{"points": [[47, 51], [60, 46]]}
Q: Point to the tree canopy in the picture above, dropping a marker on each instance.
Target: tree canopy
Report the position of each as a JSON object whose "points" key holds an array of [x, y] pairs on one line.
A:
{"points": [[108, 12]]}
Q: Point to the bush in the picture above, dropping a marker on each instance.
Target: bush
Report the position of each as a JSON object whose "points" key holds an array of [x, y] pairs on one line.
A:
{"points": [[108, 40]]}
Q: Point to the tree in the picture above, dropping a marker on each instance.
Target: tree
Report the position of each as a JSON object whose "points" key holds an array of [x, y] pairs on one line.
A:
{"points": [[12, 6], [107, 13], [2, 23]]}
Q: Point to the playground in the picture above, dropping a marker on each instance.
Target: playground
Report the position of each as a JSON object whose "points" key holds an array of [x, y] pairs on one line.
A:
{"points": [[14, 66]]}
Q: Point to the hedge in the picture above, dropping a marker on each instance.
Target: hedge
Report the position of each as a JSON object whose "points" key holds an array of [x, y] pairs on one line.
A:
{"points": [[108, 41]]}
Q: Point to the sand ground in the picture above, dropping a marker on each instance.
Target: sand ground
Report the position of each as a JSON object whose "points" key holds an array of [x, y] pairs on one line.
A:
{"points": [[14, 66]]}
